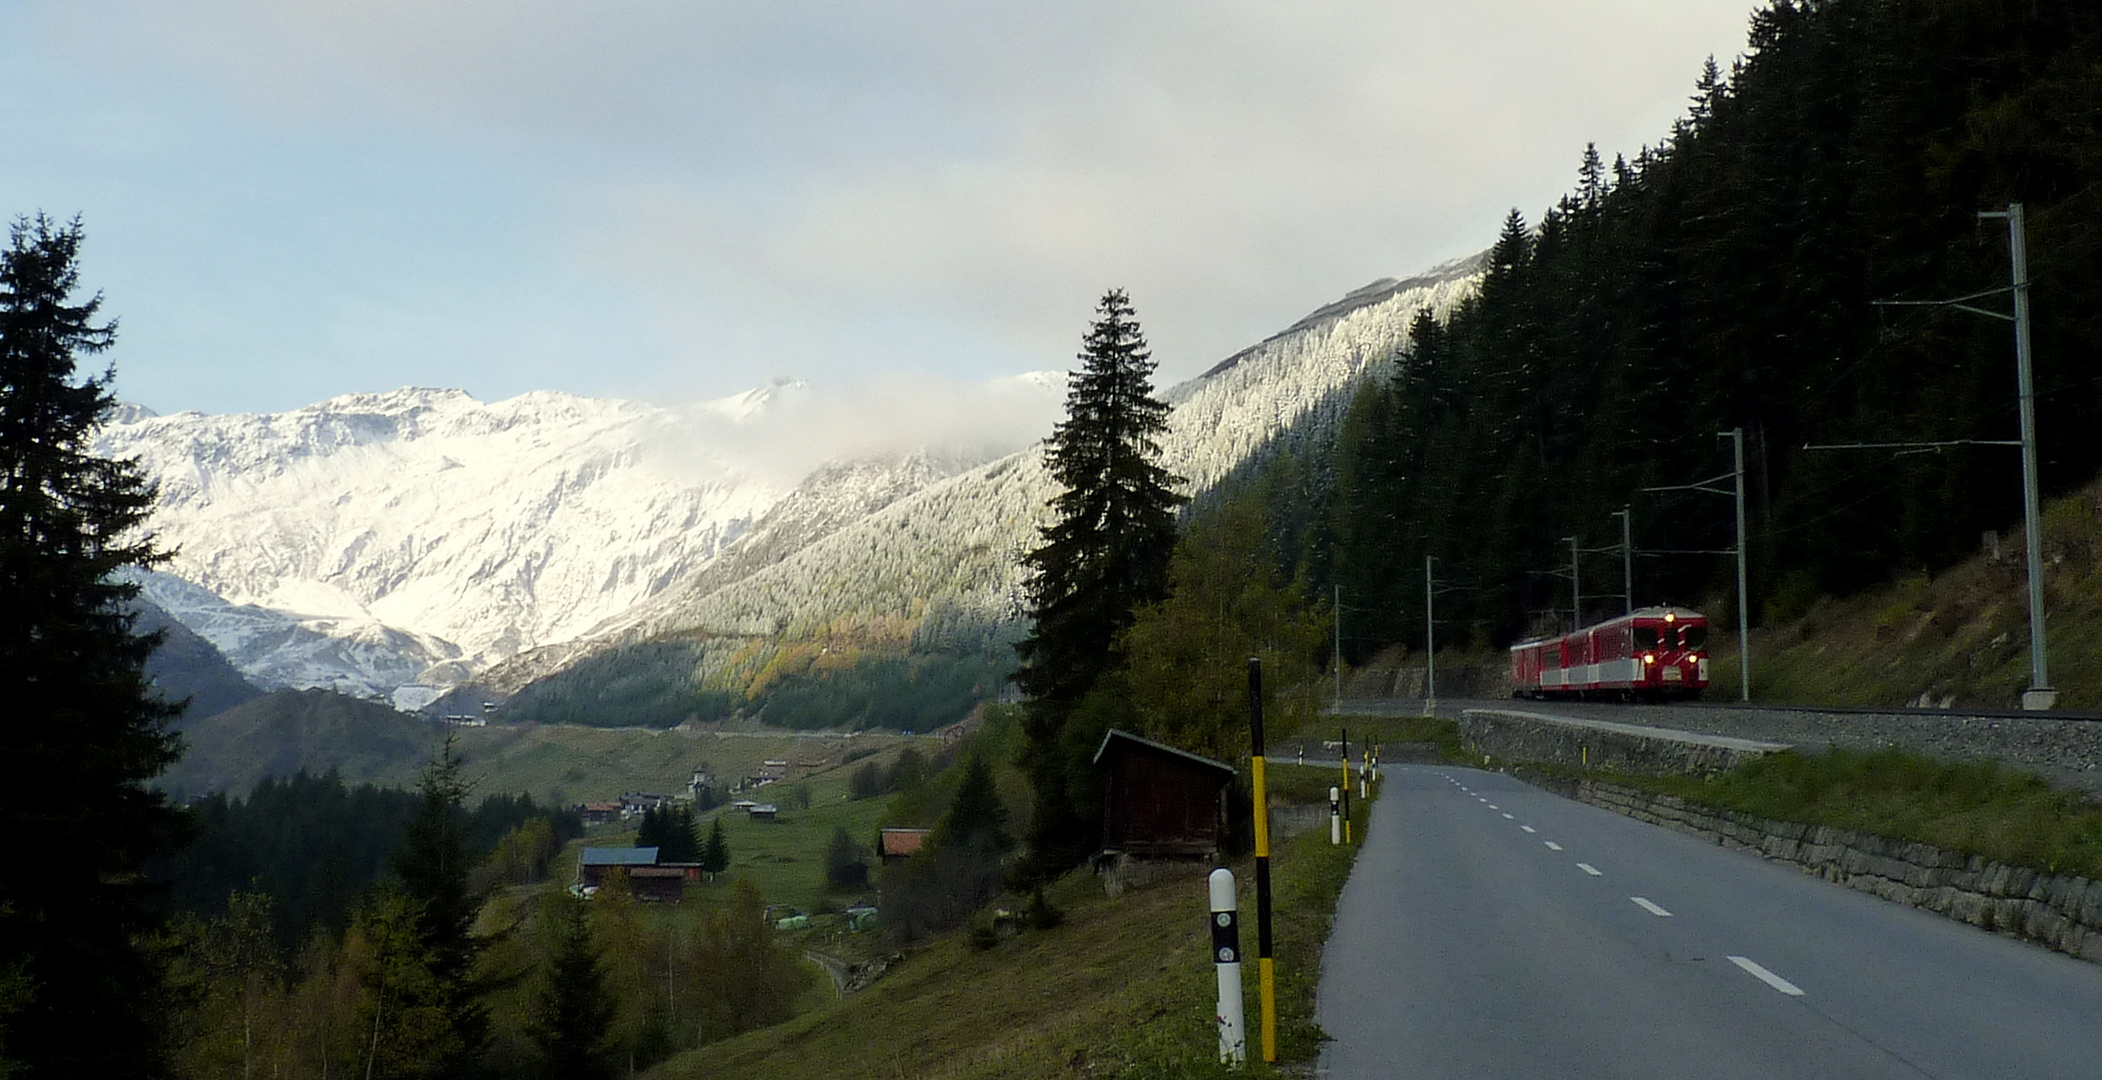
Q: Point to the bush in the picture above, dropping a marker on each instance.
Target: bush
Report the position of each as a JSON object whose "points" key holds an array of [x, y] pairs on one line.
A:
{"points": [[1042, 914]]}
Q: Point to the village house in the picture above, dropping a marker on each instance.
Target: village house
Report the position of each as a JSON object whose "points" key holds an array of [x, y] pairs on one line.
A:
{"points": [[647, 879], [635, 803], [1160, 802], [599, 813]]}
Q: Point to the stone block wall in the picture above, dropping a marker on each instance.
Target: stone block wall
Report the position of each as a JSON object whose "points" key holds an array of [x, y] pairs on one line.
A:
{"points": [[1517, 735], [2060, 911]]}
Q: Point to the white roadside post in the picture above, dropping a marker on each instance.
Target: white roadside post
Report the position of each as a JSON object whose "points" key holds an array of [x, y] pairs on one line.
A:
{"points": [[1365, 777], [1226, 957], [1335, 816]]}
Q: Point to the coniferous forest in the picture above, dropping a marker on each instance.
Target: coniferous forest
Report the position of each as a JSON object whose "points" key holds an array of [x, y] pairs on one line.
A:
{"points": [[1729, 277]]}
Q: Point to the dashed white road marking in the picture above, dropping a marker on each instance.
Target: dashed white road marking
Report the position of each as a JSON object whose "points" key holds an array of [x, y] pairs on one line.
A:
{"points": [[1767, 977], [1551, 845], [1590, 869], [1646, 904], [1493, 806], [1528, 828], [1508, 817]]}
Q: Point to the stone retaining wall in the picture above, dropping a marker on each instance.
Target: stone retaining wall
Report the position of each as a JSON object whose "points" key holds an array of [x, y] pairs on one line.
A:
{"points": [[2060, 911], [1517, 735]]}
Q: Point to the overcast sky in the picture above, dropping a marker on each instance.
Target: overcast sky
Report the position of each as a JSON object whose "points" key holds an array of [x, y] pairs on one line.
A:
{"points": [[673, 199]]}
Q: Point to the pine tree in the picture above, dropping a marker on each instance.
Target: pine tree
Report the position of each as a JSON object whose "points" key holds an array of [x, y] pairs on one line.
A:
{"points": [[715, 854], [83, 731], [573, 1017], [1105, 554], [976, 818], [650, 833], [433, 865], [679, 839]]}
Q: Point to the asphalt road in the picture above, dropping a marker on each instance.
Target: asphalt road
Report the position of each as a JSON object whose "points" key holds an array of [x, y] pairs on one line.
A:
{"points": [[1493, 930]]}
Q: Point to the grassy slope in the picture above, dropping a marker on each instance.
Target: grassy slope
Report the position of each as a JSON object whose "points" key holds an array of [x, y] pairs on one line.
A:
{"points": [[1970, 807], [1961, 637], [1123, 988], [315, 730]]}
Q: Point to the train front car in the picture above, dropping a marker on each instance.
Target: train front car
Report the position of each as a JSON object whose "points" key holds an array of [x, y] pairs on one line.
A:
{"points": [[1652, 654], [1672, 647]]}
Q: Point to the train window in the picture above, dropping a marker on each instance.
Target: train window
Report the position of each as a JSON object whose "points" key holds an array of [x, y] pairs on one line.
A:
{"points": [[1694, 637], [1646, 637]]}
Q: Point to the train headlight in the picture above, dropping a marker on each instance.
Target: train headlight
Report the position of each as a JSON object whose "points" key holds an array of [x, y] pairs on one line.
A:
{"points": [[1649, 658], [1669, 617]]}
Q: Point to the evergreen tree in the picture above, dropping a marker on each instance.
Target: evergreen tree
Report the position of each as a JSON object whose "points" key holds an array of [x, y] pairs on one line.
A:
{"points": [[976, 818], [404, 1016], [1104, 555], [650, 832], [84, 732], [846, 862], [715, 854], [573, 1017], [682, 838], [433, 865]]}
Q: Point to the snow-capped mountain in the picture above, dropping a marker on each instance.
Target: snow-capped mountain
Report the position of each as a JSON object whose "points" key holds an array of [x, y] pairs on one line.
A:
{"points": [[392, 544], [945, 561], [395, 545]]}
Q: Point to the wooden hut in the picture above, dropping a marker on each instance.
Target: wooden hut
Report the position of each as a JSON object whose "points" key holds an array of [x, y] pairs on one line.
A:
{"points": [[897, 845], [1160, 802]]}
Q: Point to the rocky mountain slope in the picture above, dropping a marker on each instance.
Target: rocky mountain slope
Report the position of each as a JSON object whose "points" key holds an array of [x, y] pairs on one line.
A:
{"points": [[388, 545], [942, 566], [396, 545]]}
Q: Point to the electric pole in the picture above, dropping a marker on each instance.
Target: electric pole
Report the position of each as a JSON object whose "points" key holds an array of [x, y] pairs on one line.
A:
{"points": [[2039, 695], [1744, 602], [1430, 645], [1339, 649], [1627, 562]]}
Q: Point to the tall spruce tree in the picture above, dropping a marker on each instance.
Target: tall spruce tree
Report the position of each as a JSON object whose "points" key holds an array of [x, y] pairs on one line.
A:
{"points": [[715, 852], [572, 1019], [433, 865], [1104, 555], [84, 732]]}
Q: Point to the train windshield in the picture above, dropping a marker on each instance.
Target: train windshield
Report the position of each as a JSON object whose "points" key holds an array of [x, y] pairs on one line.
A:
{"points": [[1693, 637], [1645, 637]]}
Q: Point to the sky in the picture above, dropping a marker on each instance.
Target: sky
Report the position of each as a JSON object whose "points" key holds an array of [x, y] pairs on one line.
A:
{"points": [[673, 200]]}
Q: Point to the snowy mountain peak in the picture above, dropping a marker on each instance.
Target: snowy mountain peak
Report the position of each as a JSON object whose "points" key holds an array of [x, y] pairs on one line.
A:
{"points": [[373, 539]]}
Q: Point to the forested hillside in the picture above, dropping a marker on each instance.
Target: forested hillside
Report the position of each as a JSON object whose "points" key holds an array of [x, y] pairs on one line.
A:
{"points": [[1729, 277]]}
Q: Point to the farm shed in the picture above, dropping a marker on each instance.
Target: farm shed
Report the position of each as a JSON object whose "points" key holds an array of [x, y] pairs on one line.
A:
{"points": [[897, 845], [1158, 801]]}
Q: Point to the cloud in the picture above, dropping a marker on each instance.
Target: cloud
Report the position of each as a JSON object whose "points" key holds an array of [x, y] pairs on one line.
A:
{"points": [[945, 186], [784, 430]]}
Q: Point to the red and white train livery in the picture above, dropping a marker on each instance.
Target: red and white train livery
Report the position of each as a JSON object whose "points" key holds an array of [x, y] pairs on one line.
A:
{"points": [[1655, 654]]}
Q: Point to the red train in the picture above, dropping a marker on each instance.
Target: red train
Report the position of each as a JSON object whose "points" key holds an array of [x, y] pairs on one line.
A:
{"points": [[1655, 654]]}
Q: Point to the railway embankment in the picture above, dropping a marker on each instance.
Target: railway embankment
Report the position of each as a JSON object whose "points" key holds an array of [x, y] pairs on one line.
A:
{"points": [[2059, 911], [1523, 735]]}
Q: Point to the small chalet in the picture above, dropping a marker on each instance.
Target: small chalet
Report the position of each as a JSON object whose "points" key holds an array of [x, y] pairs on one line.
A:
{"points": [[897, 845], [599, 813], [635, 803], [593, 866], [1160, 802], [648, 880], [765, 811]]}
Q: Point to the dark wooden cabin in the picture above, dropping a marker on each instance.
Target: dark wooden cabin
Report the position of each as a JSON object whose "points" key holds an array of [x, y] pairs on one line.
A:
{"points": [[1160, 802]]}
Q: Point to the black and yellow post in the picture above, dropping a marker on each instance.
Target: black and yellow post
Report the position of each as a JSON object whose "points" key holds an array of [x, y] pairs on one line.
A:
{"points": [[1346, 786], [1265, 975]]}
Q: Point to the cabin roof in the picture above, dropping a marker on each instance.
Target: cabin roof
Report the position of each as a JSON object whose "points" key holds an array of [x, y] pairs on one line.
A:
{"points": [[1115, 734], [900, 841], [620, 856]]}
